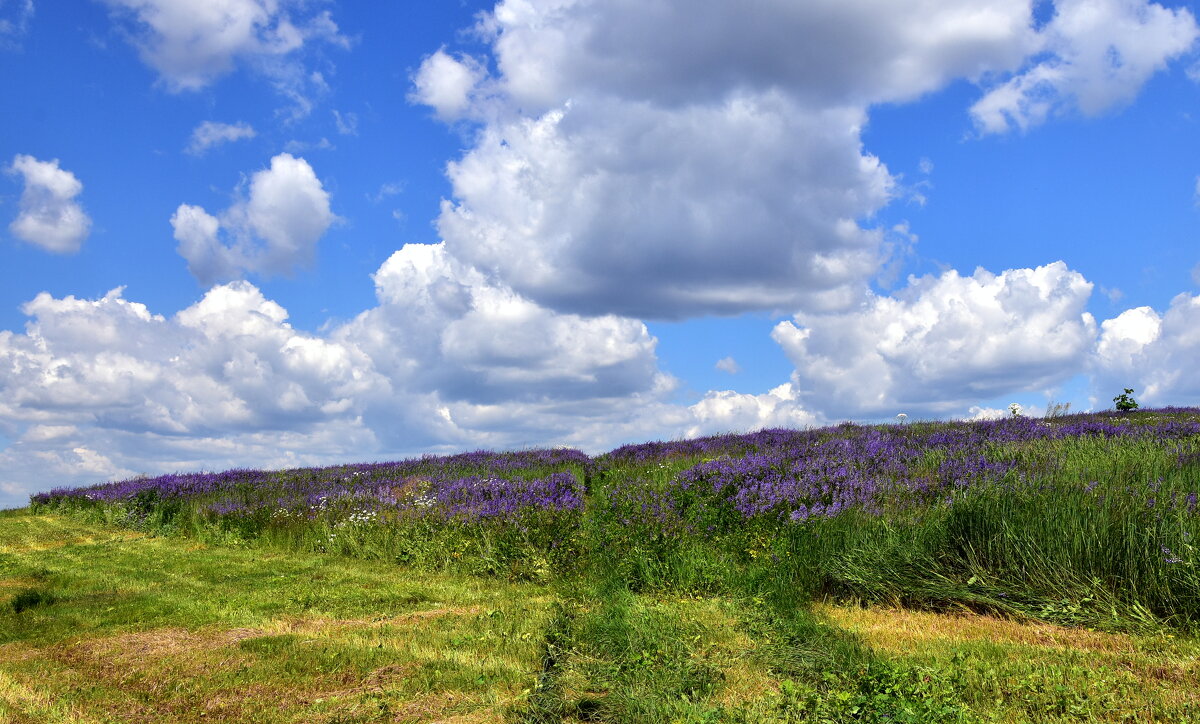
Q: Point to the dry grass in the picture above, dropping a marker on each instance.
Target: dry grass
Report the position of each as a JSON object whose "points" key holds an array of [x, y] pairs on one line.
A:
{"points": [[899, 630], [727, 646], [1017, 670], [21, 704]]}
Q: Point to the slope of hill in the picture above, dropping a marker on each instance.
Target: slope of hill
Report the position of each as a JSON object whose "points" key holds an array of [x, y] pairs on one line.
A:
{"points": [[1012, 570]]}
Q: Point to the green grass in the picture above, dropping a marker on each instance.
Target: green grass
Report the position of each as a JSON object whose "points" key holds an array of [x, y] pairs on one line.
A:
{"points": [[101, 624], [1066, 590]]}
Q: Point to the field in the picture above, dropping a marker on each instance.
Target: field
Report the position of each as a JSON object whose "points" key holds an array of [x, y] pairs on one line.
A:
{"points": [[1013, 570]]}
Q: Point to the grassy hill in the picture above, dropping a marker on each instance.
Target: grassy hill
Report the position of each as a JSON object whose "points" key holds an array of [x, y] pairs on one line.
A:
{"points": [[1017, 570]]}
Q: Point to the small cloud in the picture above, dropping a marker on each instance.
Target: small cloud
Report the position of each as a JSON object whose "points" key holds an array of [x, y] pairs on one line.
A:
{"points": [[274, 230], [347, 124], [48, 215], [447, 84], [1196, 192], [728, 364], [295, 146], [386, 190], [1097, 56], [1113, 293], [1196, 275], [925, 166], [985, 413], [210, 134], [190, 44], [14, 23]]}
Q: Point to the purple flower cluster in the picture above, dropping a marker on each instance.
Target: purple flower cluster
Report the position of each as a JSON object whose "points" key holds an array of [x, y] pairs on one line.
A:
{"points": [[787, 476], [469, 486], [477, 498], [794, 476]]}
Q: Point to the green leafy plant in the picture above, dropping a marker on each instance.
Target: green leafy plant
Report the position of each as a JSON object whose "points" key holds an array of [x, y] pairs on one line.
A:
{"points": [[1125, 401]]}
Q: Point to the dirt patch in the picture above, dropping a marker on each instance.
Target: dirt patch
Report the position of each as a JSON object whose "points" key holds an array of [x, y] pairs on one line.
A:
{"points": [[159, 643], [439, 707], [168, 666], [320, 625], [17, 652]]}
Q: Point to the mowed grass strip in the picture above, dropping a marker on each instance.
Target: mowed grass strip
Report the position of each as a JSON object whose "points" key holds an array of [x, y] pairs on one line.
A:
{"points": [[1008, 670], [618, 656], [106, 625]]}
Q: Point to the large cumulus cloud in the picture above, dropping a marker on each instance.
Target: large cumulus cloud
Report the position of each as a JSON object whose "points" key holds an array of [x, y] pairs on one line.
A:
{"points": [[1156, 354], [671, 159], [95, 388], [497, 361], [943, 342], [663, 160]]}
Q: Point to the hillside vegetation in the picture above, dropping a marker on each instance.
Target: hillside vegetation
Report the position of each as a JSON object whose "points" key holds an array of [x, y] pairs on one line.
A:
{"points": [[1013, 570]]}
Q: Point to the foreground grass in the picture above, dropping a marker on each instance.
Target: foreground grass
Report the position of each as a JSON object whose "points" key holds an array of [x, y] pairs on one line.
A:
{"points": [[1020, 570], [100, 624], [654, 658]]}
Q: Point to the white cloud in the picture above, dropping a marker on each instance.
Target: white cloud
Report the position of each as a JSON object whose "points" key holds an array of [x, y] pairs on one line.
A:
{"points": [[728, 411], [48, 215], [660, 161], [347, 123], [14, 21], [273, 231], [192, 43], [975, 412], [445, 83], [1154, 354], [386, 190], [942, 343], [97, 388], [826, 54], [450, 358], [294, 146], [650, 212], [230, 361], [441, 325], [1095, 55], [664, 160], [211, 133], [446, 360], [728, 364]]}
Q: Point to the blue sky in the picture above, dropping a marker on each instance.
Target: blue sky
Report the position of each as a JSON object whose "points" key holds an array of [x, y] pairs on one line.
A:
{"points": [[272, 233]]}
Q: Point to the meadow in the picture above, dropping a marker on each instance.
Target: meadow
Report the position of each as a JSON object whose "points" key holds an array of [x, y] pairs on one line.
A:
{"points": [[1012, 570]]}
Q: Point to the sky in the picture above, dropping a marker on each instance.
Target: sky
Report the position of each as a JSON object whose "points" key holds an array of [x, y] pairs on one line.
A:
{"points": [[274, 233]]}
